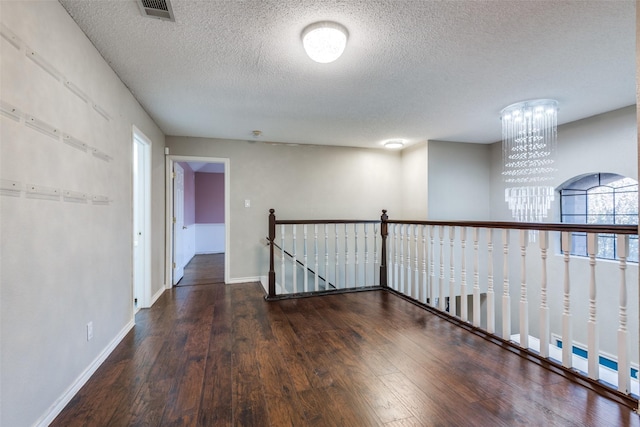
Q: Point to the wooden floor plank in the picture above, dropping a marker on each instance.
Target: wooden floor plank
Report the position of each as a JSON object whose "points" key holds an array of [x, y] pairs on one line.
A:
{"points": [[220, 355]]}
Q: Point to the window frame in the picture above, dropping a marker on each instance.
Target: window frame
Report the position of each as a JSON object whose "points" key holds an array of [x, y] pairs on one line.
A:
{"points": [[607, 243]]}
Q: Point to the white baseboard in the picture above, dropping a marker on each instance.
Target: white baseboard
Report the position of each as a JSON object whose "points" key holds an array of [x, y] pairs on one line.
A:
{"points": [[55, 409], [243, 280], [156, 296]]}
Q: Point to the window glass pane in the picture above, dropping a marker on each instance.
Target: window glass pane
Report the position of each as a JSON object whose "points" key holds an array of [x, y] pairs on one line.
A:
{"points": [[599, 203], [600, 219], [626, 202], [574, 219], [627, 219], [572, 205], [623, 182], [579, 244], [606, 248], [633, 249]]}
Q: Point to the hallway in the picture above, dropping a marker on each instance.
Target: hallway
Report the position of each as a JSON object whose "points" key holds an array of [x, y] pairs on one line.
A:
{"points": [[205, 269]]}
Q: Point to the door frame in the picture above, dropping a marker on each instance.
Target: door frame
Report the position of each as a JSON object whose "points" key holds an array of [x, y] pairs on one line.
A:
{"points": [[170, 159], [178, 226], [144, 299]]}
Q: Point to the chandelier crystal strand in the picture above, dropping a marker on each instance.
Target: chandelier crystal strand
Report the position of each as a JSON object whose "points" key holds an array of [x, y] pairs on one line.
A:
{"points": [[529, 140]]}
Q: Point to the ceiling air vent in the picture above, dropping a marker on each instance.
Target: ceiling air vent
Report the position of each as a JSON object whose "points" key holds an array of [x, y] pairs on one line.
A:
{"points": [[159, 9]]}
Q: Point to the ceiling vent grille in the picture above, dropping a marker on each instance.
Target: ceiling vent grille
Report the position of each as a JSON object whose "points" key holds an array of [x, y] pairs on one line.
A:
{"points": [[158, 9]]}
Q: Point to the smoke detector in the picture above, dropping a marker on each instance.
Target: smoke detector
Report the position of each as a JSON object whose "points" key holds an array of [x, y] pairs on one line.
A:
{"points": [[158, 9]]}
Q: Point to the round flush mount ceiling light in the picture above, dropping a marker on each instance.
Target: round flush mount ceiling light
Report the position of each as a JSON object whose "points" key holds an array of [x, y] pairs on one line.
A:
{"points": [[324, 41], [394, 144]]}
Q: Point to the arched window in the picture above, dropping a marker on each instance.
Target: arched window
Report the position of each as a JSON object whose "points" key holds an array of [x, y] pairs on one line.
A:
{"points": [[601, 198]]}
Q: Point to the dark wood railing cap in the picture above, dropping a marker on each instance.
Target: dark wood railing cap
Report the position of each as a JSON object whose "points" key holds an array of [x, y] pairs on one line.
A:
{"points": [[541, 226]]}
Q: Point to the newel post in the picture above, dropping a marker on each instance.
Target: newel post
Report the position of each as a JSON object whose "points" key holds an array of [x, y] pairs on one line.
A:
{"points": [[272, 237], [383, 250]]}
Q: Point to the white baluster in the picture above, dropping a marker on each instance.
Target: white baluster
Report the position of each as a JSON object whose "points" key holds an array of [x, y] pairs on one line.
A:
{"points": [[491, 304], [425, 294], [306, 267], [315, 252], [395, 257], [567, 338], [282, 263], [326, 257], [337, 258], [452, 273], [416, 277], [357, 260], [544, 308], [376, 269], [624, 382], [294, 259], [524, 302], [441, 278], [464, 310], [592, 323], [408, 278], [432, 269], [346, 257], [506, 297], [366, 255], [401, 258], [476, 279]]}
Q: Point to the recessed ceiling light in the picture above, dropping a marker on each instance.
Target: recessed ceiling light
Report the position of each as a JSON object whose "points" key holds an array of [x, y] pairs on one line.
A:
{"points": [[394, 144], [324, 41]]}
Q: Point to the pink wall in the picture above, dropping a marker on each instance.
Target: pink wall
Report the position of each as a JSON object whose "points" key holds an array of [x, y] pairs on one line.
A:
{"points": [[189, 194], [209, 196]]}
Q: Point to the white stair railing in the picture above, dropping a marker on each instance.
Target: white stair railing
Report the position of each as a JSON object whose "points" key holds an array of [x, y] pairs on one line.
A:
{"points": [[578, 313], [560, 296]]}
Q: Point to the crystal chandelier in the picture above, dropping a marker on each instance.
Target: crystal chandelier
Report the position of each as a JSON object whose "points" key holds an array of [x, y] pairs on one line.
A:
{"points": [[529, 137]]}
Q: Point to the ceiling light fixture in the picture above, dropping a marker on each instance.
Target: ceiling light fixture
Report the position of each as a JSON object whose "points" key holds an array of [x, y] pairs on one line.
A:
{"points": [[324, 41], [529, 139], [394, 144]]}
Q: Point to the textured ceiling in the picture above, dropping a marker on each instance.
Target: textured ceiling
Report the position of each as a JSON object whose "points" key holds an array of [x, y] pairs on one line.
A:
{"points": [[412, 69]]}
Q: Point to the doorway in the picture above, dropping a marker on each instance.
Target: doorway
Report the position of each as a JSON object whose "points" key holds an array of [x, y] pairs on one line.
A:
{"points": [[192, 246], [141, 219]]}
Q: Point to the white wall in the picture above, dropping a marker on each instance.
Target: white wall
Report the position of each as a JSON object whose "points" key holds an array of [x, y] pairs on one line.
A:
{"points": [[209, 238], [414, 180], [459, 181], [299, 182], [65, 264]]}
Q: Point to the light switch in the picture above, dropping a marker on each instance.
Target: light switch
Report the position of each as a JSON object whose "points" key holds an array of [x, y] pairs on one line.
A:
{"points": [[247, 203]]}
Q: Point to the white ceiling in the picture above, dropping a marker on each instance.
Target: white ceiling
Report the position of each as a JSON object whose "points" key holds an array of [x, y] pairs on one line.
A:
{"points": [[412, 69]]}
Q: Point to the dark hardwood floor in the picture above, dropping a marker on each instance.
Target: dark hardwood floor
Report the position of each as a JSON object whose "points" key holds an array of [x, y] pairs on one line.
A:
{"points": [[203, 269], [220, 355]]}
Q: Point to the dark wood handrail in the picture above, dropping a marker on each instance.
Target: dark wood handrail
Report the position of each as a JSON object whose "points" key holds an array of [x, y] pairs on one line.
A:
{"points": [[326, 221], [542, 226]]}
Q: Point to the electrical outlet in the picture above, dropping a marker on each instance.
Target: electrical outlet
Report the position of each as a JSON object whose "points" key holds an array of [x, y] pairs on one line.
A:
{"points": [[89, 331]]}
